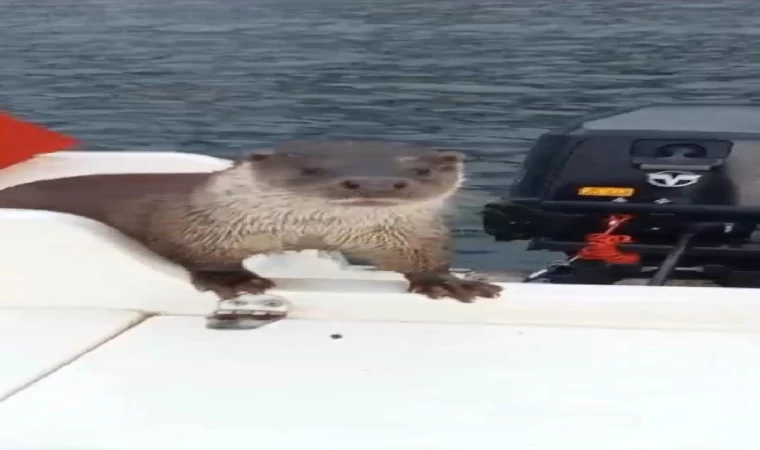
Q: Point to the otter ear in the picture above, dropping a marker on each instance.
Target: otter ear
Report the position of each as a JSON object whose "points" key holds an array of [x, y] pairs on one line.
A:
{"points": [[251, 156], [259, 155], [450, 156]]}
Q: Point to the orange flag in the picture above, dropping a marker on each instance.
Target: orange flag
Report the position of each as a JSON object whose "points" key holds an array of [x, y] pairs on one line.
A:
{"points": [[21, 140]]}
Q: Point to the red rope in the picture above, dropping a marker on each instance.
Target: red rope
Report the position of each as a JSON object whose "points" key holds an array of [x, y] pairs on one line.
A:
{"points": [[603, 246]]}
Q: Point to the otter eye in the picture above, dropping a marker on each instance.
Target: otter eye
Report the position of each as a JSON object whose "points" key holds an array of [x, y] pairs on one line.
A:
{"points": [[423, 172], [310, 171]]}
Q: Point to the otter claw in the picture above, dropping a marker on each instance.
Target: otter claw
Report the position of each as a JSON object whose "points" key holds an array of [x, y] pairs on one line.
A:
{"points": [[229, 285], [436, 286]]}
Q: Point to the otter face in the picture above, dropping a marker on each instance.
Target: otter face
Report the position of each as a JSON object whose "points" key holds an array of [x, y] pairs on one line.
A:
{"points": [[360, 173]]}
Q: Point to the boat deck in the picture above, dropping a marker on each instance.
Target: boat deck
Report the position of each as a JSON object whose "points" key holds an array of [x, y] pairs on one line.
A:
{"points": [[103, 346]]}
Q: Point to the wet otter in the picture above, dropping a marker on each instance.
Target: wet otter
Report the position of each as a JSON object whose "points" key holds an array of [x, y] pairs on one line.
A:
{"points": [[376, 201]]}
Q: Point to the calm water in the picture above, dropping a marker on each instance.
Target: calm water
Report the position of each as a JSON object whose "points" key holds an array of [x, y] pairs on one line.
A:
{"points": [[218, 76]]}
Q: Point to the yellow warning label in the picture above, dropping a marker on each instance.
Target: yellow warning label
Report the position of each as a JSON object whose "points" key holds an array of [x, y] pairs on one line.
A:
{"points": [[606, 191]]}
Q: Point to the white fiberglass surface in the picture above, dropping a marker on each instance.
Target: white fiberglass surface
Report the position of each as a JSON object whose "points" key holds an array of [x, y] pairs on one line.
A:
{"points": [[34, 342], [169, 383]]}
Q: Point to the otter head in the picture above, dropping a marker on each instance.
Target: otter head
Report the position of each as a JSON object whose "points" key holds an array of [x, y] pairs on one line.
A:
{"points": [[360, 173]]}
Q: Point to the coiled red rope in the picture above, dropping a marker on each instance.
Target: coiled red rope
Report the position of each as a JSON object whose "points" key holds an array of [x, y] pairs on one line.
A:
{"points": [[603, 246]]}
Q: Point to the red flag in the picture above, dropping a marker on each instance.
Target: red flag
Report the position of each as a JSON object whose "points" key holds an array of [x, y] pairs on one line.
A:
{"points": [[21, 140]]}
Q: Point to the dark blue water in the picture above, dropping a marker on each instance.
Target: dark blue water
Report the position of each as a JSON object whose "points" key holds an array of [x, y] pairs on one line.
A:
{"points": [[219, 76]]}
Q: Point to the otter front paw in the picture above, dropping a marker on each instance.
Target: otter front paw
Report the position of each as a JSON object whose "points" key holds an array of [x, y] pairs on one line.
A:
{"points": [[438, 285], [230, 284]]}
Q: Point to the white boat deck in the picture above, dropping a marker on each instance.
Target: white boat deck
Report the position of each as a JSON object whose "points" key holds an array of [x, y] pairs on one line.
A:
{"points": [[103, 346]]}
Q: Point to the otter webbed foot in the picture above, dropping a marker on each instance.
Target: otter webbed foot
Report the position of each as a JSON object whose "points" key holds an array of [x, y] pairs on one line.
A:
{"points": [[438, 285], [229, 284]]}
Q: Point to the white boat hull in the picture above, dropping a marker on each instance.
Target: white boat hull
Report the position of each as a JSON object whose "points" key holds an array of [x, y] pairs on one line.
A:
{"points": [[104, 346]]}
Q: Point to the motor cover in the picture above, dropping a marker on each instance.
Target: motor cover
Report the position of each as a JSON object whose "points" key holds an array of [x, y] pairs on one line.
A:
{"points": [[689, 159]]}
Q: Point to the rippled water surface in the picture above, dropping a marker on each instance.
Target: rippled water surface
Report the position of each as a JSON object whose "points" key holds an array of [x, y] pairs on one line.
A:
{"points": [[485, 76]]}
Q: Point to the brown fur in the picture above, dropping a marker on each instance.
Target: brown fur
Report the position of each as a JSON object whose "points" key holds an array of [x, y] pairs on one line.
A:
{"points": [[294, 197]]}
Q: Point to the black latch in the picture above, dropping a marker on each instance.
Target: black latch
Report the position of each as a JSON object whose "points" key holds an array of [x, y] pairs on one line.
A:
{"points": [[679, 155]]}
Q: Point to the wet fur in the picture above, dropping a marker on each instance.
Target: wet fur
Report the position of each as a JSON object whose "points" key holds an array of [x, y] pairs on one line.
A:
{"points": [[202, 220], [226, 223], [210, 222]]}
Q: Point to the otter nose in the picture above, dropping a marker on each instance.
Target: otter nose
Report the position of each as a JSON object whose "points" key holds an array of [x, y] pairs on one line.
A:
{"points": [[374, 184]]}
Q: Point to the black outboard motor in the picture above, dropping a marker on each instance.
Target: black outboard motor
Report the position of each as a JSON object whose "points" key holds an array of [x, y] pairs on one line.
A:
{"points": [[663, 190]]}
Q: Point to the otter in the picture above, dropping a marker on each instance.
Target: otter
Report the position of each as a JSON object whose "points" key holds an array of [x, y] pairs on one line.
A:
{"points": [[381, 202]]}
